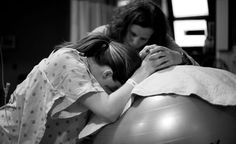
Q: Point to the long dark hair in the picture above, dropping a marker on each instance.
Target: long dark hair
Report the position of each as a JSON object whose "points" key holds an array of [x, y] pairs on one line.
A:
{"points": [[144, 13], [122, 60]]}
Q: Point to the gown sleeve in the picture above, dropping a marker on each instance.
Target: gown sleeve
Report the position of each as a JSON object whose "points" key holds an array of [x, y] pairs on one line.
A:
{"points": [[73, 80]]}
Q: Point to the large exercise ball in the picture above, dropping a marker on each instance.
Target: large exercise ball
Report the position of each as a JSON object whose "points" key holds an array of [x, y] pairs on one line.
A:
{"points": [[172, 119]]}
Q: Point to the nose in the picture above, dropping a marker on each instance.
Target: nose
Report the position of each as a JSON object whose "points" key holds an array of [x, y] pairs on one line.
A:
{"points": [[135, 42]]}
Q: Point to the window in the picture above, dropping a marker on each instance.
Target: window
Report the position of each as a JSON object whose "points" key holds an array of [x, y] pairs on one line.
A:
{"points": [[190, 8], [190, 33], [190, 22]]}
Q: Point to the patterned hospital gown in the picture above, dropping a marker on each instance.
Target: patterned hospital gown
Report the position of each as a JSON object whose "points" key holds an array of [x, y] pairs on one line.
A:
{"points": [[44, 108]]}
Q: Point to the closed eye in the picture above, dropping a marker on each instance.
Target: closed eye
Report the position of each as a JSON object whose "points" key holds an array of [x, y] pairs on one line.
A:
{"points": [[143, 39], [133, 34]]}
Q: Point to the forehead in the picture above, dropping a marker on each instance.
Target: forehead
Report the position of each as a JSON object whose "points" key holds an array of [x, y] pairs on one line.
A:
{"points": [[141, 31]]}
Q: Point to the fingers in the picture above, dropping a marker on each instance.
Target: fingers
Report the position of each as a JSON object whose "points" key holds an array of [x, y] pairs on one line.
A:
{"points": [[156, 55], [160, 57], [145, 51], [147, 48], [156, 49], [163, 65], [160, 60], [150, 49]]}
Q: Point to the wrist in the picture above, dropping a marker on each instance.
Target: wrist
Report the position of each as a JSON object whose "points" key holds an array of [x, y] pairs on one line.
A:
{"points": [[131, 82], [140, 74], [184, 59]]}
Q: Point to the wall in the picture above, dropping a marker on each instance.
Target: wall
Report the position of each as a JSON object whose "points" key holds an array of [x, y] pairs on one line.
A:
{"points": [[86, 15], [226, 52], [36, 26]]}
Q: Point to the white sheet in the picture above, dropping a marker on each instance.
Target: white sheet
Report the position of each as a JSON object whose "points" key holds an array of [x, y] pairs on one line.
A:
{"points": [[213, 85]]}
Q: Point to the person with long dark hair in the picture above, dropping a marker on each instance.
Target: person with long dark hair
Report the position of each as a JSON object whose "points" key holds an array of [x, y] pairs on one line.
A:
{"points": [[142, 25]]}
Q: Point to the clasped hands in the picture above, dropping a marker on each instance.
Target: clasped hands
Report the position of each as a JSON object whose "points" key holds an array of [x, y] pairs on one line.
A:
{"points": [[160, 57]]}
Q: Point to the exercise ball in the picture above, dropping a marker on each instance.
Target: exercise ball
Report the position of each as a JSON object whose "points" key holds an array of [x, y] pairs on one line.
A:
{"points": [[172, 119]]}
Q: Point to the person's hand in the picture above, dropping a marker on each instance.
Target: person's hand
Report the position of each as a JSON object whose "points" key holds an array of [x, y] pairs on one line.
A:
{"points": [[161, 57], [150, 64], [146, 50]]}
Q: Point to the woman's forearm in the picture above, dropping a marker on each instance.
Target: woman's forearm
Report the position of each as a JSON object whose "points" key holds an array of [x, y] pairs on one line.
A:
{"points": [[118, 99], [109, 107]]}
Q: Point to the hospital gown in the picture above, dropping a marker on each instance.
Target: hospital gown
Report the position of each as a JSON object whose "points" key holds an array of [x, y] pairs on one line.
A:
{"points": [[44, 107]]}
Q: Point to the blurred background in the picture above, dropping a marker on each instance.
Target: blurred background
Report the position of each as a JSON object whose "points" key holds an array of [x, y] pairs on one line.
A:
{"points": [[29, 30]]}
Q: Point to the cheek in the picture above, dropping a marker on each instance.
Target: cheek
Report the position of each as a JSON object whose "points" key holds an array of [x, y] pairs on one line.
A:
{"points": [[107, 90], [142, 43], [139, 44], [126, 39], [105, 87]]}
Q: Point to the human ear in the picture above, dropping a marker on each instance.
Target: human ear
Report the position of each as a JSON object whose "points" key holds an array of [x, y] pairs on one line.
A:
{"points": [[107, 74]]}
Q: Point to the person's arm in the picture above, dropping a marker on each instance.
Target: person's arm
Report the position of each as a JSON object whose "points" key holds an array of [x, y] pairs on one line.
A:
{"points": [[109, 107], [186, 59], [168, 56], [101, 29]]}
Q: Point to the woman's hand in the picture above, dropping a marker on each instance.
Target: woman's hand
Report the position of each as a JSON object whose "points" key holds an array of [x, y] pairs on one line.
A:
{"points": [[151, 63], [162, 57]]}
